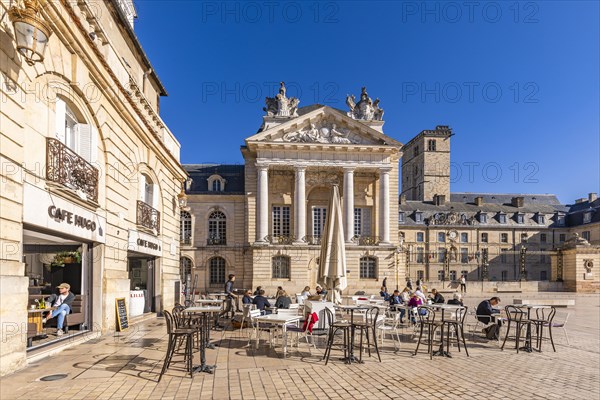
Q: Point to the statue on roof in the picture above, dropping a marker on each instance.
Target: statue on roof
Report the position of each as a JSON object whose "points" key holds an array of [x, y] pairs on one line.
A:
{"points": [[281, 105], [365, 109]]}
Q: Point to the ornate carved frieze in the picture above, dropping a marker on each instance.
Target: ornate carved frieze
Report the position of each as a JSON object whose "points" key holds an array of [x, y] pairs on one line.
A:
{"points": [[366, 109], [323, 133], [451, 218], [281, 105], [320, 178]]}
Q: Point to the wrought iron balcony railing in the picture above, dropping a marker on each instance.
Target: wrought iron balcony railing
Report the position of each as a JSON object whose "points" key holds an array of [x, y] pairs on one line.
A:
{"points": [[216, 241], [147, 216], [314, 240], [186, 238], [69, 169], [366, 240], [282, 239]]}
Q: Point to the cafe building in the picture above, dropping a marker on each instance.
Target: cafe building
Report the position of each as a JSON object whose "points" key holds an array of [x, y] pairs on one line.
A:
{"points": [[90, 175]]}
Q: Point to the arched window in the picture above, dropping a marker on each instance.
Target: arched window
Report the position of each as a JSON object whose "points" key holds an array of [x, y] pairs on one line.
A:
{"points": [[72, 131], [216, 183], [368, 266], [185, 270], [217, 270], [217, 228], [281, 267], [185, 233]]}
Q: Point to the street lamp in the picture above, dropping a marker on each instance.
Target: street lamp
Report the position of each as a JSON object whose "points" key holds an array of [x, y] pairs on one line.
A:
{"points": [[182, 199], [523, 272], [31, 31]]}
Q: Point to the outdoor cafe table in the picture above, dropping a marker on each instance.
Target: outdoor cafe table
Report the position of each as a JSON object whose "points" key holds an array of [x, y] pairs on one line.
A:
{"points": [[351, 357], [209, 301], [528, 348], [450, 308], [35, 316], [277, 319], [204, 313]]}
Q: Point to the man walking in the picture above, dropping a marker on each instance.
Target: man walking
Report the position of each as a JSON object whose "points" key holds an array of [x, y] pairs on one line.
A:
{"points": [[463, 284], [228, 306]]}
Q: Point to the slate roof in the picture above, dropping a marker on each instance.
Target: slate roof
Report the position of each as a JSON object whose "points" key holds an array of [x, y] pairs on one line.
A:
{"points": [[578, 210], [233, 175]]}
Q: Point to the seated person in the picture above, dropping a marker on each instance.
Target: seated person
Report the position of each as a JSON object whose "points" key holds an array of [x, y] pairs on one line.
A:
{"points": [[396, 298], [320, 291], [405, 295], [258, 289], [247, 299], [383, 293], [278, 292], [261, 302], [414, 302], [63, 302], [418, 292], [436, 297], [484, 313], [283, 301], [306, 292], [456, 300]]}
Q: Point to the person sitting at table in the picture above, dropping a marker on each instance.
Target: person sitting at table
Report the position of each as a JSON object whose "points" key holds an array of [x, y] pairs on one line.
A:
{"points": [[418, 292], [320, 291], [306, 292], [283, 300], [63, 302], [396, 298], [247, 299], [261, 302], [436, 297], [414, 302], [456, 300], [278, 292], [484, 313], [384, 293], [258, 288], [405, 294]]}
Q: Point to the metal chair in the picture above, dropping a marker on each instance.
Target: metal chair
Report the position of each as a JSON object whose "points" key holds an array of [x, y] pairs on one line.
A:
{"points": [[543, 319], [518, 317], [457, 322], [427, 320], [303, 331], [390, 325], [334, 328], [369, 326]]}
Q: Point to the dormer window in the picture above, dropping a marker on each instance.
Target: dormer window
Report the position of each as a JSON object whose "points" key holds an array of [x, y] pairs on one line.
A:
{"points": [[418, 216], [216, 183], [502, 218], [541, 219], [520, 218], [560, 219], [482, 218], [587, 217], [401, 217]]}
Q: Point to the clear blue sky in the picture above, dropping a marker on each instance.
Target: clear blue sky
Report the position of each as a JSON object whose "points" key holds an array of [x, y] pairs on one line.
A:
{"points": [[517, 81]]}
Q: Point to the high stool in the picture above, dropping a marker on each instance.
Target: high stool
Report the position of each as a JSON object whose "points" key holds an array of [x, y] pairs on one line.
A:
{"points": [[334, 327], [174, 335]]}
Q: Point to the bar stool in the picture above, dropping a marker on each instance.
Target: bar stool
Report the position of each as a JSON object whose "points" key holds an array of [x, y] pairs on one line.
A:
{"points": [[174, 335], [334, 327], [518, 317]]}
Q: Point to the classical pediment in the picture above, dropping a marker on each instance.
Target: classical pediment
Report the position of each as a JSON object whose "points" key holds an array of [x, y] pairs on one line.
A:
{"points": [[325, 126]]}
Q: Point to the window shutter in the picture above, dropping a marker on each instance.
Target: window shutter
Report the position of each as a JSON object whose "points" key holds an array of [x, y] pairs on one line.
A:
{"points": [[142, 187], [60, 114], [83, 132], [93, 145]]}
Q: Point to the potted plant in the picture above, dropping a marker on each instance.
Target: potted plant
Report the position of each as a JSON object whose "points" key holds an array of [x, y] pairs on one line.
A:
{"points": [[66, 257]]}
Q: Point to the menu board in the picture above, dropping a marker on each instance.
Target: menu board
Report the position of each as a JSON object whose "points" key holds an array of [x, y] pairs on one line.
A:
{"points": [[121, 308]]}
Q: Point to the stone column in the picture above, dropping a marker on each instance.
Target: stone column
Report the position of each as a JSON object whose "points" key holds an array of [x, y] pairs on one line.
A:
{"points": [[384, 205], [349, 203], [300, 205], [262, 203]]}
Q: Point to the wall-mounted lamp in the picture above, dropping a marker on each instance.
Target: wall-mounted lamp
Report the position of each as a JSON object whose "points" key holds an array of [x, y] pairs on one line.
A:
{"points": [[31, 31], [182, 199]]}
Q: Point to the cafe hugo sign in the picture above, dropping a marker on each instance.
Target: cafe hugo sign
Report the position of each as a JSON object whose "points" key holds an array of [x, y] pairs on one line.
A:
{"points": [[61, 215], [143, 243]]}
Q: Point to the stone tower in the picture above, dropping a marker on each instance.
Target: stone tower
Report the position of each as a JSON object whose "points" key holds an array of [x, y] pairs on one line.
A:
{"points": [[426, 166]]}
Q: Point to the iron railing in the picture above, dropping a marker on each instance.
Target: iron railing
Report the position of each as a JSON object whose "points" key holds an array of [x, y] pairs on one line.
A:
{"points": [[314, 240], [366, 240], [216, 241], [69, 169], [147, 216], [282, 239]]}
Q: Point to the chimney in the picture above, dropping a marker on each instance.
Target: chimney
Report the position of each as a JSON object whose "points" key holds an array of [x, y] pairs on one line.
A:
{"points": [[479, 200], [579, 201], [592, 197], [439, 199], [517, 201]]}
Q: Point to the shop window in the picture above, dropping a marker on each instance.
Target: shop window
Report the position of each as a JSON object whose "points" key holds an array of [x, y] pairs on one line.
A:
{"points": [[217, 228], [217, 270], [281, 267], [368, 266], [185, 233]]}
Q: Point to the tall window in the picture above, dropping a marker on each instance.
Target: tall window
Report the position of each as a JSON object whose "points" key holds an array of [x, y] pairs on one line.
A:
{"points": [[217, 228], [420, 236], [431, 145], [281, 221], [440, 275], [147, 190], [420, 274], [319, 216], [281, 267], [441, 255], [420, 254], [484, 237], [504, 237], [185, 232], [441, 237], [217, 270], [362, 221], [585, 235], [464, 237], [367, 267], [452, 275], [543, 238], [543, 259], [185, 270], [79, 137], [562, 237], [464, 255]]}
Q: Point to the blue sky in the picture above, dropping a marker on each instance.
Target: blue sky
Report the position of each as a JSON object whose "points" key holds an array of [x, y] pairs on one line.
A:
{"points": [[517, 81]]}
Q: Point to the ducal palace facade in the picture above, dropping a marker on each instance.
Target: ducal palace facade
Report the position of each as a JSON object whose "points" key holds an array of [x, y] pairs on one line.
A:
{"points": [[263, 220]]}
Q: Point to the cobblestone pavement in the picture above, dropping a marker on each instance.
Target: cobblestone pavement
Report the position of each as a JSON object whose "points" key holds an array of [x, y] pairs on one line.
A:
{"points": [[127, 367]]}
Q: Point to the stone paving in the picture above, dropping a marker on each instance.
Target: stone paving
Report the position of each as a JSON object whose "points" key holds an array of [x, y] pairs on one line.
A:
{"points": [[127, 367]]}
